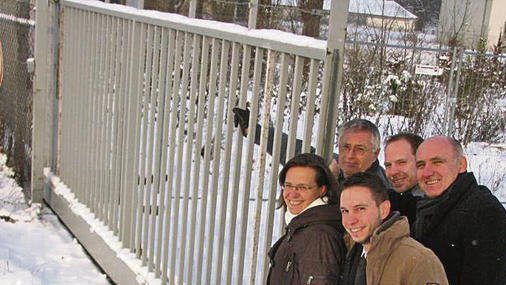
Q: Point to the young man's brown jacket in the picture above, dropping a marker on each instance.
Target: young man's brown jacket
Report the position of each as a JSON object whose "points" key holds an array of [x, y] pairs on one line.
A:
{"points": [[396, 258]]}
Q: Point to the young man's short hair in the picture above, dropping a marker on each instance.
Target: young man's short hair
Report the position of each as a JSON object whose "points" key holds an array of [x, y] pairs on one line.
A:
{"points": [[378, 189], [413, 139]]}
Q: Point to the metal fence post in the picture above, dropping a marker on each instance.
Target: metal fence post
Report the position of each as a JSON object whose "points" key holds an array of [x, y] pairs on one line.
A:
{"points": [[253, 14], [446, 128], [453, 99], [333, 77], [45, 113]]}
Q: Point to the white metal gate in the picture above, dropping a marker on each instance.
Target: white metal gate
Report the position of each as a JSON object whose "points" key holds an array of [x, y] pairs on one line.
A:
{"points": [[147, 142]]}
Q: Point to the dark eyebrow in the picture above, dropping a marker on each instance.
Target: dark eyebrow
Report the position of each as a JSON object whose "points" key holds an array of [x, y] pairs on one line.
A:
{"points": [[437, 158]]}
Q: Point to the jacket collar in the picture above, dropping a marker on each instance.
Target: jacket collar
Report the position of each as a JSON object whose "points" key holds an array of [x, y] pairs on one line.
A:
{"points": [[373, 169], [317, 202], [316, 215], [383, 243], [324, 214]]}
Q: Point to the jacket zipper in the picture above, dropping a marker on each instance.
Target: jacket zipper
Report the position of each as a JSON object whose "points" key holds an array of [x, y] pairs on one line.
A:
{"points": [[288, 265], [318, 277]]}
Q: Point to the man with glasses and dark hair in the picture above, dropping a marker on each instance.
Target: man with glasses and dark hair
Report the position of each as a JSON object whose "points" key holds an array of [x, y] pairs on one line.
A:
{"points": [[382, 252], [312, 249]]}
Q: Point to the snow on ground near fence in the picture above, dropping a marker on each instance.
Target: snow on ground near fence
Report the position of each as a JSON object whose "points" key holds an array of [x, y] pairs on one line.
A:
{"points": [[35, 249]]}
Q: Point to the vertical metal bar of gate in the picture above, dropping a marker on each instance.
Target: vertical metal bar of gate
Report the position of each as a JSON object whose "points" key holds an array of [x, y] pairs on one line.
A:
{"points": [[120, 110], [171, 227], [151, 173], [180, 221], [198, 44], [310, 105], [283, 83], [246, 59], [175, 140], [202, 257], [196, 168], [160, 263], [66, 74], [234, 68], [183, 183], [143, 208], [102, 119], [85, 182], [159, 172], [154, 111], [258, 196], [130, 164], [216, 153], [108, 86], [257, 72]]}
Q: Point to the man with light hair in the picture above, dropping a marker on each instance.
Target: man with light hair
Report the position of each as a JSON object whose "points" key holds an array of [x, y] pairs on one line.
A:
{"points": [[461, 221], [359, 147]]}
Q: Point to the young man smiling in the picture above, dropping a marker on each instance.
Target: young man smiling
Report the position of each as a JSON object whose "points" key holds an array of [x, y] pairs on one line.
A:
{"points": [[400, 168], [382, 252]]}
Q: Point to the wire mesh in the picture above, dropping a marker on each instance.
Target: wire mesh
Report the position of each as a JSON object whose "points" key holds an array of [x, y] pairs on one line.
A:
{"points": [[16, 46]]}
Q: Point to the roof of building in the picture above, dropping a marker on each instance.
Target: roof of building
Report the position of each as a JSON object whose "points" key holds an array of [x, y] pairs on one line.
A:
{"points": [[386, 8]]}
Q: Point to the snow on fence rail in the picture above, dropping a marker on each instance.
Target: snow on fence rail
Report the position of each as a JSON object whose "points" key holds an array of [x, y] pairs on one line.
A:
{"points": [[147, 140]]}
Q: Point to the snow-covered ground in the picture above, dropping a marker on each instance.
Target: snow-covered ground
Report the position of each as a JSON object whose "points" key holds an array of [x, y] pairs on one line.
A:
{"points": [[35, 249]]}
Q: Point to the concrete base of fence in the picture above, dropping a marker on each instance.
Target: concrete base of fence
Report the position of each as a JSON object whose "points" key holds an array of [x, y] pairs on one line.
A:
{"points": [[106, 258]]}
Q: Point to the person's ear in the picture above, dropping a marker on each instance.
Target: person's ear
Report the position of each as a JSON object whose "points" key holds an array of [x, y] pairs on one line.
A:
{"points": [[377, 152], [384, 209], [323, 190], [463, 164]]}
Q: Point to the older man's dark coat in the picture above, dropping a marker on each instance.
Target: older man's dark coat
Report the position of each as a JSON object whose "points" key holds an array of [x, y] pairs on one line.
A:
{"points": [[311, 251], [466, 228]]}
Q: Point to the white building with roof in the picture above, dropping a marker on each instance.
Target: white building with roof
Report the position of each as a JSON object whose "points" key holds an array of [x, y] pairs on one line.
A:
{"points": [[375, 13]]}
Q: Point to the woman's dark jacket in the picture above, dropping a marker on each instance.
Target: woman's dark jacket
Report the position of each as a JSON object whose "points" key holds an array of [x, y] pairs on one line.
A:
{"points": [[311, 251], [466, 229]]}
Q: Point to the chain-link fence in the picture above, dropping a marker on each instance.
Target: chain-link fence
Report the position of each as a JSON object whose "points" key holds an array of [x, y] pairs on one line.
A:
{"points": [[16, 34], [464, 98]]}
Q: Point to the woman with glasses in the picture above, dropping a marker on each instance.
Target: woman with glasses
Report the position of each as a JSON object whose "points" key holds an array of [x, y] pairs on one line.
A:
{"points": [[312, 250]]}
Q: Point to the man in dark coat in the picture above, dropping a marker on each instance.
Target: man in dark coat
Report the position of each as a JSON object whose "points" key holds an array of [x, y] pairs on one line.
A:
{"points": [[400, 168], [461, 221], [312, 249]]}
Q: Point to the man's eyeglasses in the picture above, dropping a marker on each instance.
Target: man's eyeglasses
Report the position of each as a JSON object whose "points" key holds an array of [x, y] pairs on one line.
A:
{"points": [[300, 187], [359, 150]]}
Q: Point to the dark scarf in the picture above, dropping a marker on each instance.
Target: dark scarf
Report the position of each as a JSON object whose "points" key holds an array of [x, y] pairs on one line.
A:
{"points": [[425, 209], [354, 271]]}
